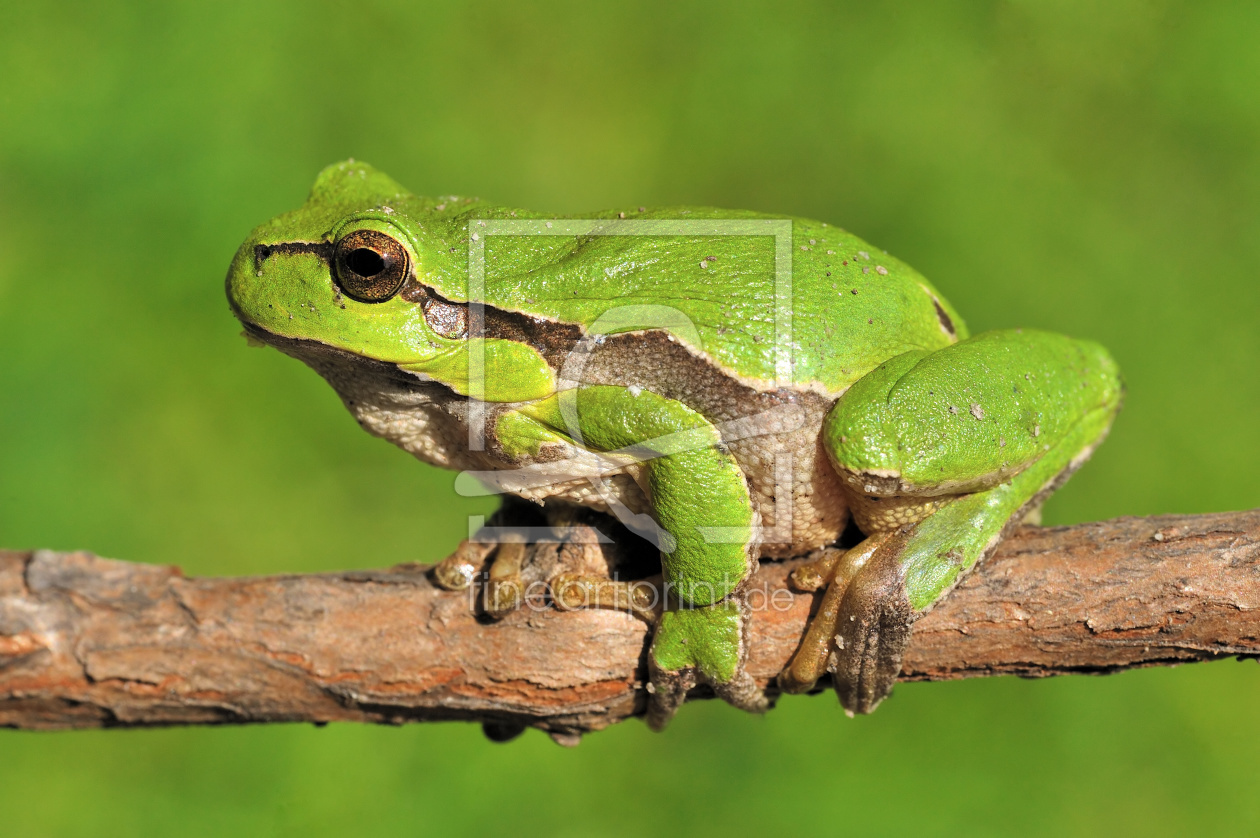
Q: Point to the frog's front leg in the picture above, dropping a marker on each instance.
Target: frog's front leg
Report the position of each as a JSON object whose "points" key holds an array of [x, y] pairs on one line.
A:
{"points": [[940, 454], [700, 500]]}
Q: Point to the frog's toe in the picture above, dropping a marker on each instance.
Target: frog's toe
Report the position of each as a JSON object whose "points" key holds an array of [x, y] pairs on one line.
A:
{"points": [[666, 693], [668, 690], [505, 588], [811, 575], [872, 633], [457, 571], [742, 692], [576, 592]]}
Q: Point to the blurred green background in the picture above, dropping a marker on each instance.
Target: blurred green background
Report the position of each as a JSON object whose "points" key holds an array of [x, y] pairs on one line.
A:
{"points": [[1088, 168]]}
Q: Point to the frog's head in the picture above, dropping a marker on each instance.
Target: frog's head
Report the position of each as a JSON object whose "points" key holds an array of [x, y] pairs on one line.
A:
{"points": [[334, 271], [356, 270]]}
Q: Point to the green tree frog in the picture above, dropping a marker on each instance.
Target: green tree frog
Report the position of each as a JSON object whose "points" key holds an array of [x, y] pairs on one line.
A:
{"points": [[733, 386]]}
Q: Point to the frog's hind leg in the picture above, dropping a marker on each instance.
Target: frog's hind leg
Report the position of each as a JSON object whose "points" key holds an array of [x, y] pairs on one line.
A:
{"points": [[943, 453], [910, 573]]}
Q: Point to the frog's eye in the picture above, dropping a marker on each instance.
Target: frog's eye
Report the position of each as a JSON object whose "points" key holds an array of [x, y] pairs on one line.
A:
{"points": [[370, 265]]}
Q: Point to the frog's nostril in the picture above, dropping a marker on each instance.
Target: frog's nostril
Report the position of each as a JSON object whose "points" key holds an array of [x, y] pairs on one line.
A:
{"points": [[365, 262]]}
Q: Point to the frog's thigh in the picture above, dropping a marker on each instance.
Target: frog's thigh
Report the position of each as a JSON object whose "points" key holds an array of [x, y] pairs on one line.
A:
{"points": [[967, 417], [1030, 408]]}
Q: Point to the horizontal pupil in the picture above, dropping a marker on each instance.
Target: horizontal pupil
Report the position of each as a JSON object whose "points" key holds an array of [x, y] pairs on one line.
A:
{"points": [[365, 262]]}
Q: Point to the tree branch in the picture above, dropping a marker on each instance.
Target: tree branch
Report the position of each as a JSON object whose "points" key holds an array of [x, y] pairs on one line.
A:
{"points": [[88, 642]]}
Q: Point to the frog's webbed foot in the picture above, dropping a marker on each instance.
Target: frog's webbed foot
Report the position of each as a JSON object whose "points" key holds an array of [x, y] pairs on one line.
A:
{"points": [[872, 632], [813, 657], [690, 646], [861, 629], [572, 548]]}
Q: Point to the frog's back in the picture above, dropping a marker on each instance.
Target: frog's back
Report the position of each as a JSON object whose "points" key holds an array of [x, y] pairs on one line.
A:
{"points": [[719, 278], [851, 307]]}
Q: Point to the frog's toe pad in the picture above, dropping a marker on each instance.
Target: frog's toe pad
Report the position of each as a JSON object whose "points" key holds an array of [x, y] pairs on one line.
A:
{"points": [[873, 631]]}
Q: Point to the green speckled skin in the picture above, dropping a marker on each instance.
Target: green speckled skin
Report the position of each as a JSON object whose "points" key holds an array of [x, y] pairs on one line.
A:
{"points": [[967, 417], [936, 441], [839, 334]]}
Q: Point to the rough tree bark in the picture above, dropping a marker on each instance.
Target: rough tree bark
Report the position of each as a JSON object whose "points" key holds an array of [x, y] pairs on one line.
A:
{"points": [[88, 642]]}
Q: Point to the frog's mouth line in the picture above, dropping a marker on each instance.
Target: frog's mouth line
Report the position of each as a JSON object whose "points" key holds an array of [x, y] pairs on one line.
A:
{"points": [[326, 360], [299, 348], [258, 333]]}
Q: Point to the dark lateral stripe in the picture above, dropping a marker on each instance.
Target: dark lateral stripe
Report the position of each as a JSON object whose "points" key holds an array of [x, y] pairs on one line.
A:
{"points": [[323, 250]]}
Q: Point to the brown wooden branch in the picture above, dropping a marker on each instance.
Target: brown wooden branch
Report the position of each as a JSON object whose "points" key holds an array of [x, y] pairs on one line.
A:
{"points": [[88, 642]]}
